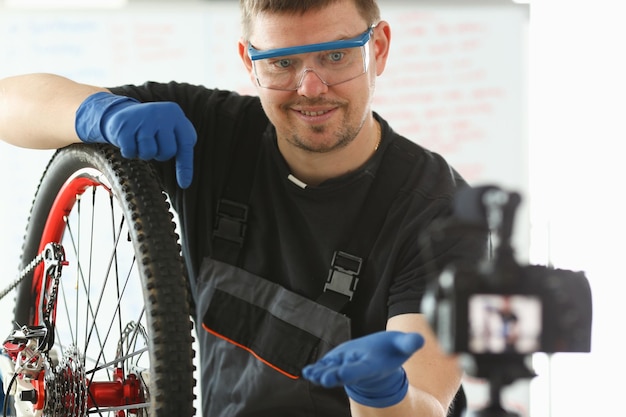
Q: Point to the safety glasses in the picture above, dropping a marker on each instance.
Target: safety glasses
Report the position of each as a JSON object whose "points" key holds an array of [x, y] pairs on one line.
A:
{"points": [[333, 62]]}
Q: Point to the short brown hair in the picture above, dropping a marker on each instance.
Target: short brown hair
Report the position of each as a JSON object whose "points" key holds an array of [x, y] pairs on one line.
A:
{"points": [[251, 8]]}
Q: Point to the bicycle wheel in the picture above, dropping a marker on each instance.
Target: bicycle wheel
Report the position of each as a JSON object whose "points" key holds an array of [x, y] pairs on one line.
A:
{"points": [[118, 314]]}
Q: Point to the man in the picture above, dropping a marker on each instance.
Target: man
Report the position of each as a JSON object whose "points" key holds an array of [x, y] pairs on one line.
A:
{"points": [[318, 153]]}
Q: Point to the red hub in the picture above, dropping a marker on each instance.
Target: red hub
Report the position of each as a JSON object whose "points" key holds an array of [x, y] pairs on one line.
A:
{"points": [[102, 394], [120, 392]]}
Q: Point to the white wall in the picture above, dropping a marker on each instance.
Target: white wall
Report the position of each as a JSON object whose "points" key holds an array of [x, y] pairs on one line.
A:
{"points": [[577, 134]]}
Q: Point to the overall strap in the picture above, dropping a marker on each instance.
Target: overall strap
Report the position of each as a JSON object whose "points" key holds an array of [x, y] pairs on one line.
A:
{"points": [[233, 207], [348, 262]]}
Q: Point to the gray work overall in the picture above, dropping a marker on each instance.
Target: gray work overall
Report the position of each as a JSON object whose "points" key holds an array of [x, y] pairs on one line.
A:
{"points": [[255, 339]]}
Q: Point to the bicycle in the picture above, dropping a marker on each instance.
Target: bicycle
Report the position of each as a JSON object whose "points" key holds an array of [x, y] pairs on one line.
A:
{"points": [[102, 309]]}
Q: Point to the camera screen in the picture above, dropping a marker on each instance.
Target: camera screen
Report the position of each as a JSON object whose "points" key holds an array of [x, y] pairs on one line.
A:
{"points": [[504, 323]]}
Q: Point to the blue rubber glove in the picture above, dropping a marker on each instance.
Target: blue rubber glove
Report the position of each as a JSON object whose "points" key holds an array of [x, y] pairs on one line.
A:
{"points": [[369, 368], [159, 130]]}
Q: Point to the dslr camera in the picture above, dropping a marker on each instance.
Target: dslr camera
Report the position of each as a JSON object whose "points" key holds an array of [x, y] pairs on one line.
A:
{"points": [[494, 311], [495, 306]]}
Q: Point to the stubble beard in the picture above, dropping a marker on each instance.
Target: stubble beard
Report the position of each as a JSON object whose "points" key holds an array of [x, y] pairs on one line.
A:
{"points": [[340, 138]]}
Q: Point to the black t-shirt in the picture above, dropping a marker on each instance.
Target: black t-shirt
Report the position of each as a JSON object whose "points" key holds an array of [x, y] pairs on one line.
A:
{"points": [[292, 232]]}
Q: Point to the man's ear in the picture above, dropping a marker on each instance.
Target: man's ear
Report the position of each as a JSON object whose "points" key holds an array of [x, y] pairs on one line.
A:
{"points": [[245, 58], [382, 42]]}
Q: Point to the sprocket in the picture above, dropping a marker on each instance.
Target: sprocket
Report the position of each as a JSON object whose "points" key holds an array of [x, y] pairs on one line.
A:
{"points": [[66, 387]]}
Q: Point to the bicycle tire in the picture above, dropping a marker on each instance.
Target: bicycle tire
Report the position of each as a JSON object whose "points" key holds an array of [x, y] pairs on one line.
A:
{"points": [[138, 248]]}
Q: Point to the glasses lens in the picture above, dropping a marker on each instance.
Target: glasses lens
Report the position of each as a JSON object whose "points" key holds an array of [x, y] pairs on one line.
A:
{"points": [[333, 67]]}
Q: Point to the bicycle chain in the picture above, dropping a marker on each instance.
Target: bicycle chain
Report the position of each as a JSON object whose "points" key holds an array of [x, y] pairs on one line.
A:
{"points": [[68, 375], [57, 259], [67, 395], [29, 268]]}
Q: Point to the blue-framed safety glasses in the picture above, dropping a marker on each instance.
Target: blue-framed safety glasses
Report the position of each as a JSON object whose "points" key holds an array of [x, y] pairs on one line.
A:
{"points": [[333, 62]]}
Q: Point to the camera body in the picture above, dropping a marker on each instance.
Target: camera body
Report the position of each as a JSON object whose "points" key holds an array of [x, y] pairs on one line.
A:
{"points": [[495, 307], [537, 309]]}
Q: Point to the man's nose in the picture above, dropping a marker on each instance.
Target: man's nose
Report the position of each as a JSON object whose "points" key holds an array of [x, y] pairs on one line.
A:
{"points": [[311, 84]]}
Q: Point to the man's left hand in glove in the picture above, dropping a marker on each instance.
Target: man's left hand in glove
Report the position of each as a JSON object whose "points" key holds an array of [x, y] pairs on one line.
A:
{"points": [[369, 368]]}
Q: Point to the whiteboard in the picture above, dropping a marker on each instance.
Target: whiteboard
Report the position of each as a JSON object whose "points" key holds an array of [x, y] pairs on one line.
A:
{"points": [[455, 80]]}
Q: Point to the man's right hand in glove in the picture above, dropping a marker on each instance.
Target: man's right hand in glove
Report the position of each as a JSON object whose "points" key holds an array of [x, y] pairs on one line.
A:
{"points": [[154, 130]]}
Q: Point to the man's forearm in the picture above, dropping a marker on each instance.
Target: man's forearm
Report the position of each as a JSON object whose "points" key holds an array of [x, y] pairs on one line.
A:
{"points": [[415, 403], [38, 110]]}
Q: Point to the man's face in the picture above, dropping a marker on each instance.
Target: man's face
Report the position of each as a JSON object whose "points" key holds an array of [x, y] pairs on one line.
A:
{"points": [[315, 117]]}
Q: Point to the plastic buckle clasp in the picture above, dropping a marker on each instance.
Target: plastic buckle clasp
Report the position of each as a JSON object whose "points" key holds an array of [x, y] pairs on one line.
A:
{"points": [[343, 275], [231, 221]]}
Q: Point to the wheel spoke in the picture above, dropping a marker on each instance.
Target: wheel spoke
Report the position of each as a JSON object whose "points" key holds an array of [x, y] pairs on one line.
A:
{"points": [[116, 361], [99, 305]]}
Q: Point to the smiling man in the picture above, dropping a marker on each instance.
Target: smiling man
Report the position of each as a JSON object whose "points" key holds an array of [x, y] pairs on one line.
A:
{"points": [[317, 313]]}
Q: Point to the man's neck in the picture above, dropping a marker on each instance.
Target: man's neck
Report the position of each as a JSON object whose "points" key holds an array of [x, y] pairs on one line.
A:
{"points": [[314, 168]]}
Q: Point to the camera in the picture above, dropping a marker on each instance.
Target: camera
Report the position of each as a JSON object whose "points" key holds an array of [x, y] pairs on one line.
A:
{"points": [[496, 306], [494, 311]]}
